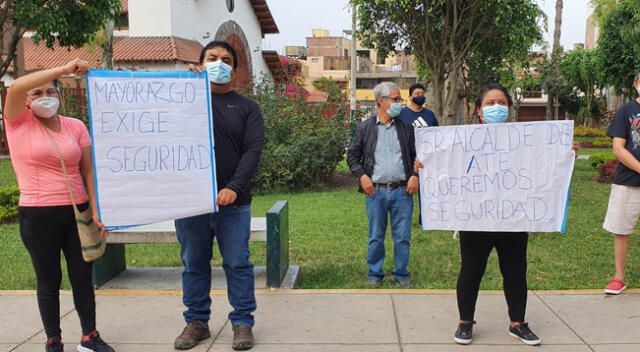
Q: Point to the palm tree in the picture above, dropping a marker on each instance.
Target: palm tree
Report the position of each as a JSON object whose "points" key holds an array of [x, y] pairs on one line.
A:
{"points": [[556, 51]]}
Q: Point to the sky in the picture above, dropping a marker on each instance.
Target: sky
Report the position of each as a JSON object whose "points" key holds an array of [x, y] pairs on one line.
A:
{"points": [[296, 19]]}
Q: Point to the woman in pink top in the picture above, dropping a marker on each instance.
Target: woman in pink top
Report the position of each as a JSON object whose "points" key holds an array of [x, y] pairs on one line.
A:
{"points": [[47, 220]]}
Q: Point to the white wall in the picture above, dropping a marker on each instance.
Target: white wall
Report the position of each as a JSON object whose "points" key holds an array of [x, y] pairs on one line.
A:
{"points": [[192, 19], [150, 18]]}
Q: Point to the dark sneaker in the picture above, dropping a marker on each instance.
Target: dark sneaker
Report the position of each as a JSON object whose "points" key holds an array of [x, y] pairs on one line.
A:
{"points": [[525, 334], [54, 344], [464, 333], [93, 343], [242, 338], [192, 334], [374, 282], [404, 283]]}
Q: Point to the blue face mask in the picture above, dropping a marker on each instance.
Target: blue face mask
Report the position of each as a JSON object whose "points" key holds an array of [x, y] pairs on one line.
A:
{"points": [[395, 109], [495, 113], [219, 72]]}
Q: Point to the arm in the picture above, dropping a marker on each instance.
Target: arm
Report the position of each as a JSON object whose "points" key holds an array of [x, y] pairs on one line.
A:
{"points": [[354, 153], [413, 184], [17, 93], [86, 168], [354, 160], [625, 157], [246, 169]]}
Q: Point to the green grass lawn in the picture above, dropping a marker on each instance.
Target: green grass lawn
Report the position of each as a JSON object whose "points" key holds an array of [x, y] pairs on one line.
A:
{"points": [[329, 239]]}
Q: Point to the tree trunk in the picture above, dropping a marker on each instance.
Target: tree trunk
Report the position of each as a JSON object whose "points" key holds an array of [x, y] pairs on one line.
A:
{"points": [[446, 98], [106, 60]]}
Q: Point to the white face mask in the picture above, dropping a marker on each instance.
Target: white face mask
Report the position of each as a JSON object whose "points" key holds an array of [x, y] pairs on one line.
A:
{"points": [[45, 107]]}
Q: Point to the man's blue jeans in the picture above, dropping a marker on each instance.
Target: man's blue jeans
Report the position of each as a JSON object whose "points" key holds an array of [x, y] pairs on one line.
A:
{"points": [[399, 205], [231, 226]]}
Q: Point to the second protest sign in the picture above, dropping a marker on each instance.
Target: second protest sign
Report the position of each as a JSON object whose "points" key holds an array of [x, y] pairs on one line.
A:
{"points": [[496, 177]]}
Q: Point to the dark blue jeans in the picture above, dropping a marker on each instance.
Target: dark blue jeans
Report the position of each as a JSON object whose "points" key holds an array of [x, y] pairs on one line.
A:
{"points": [[231, 226], [397, 204]]}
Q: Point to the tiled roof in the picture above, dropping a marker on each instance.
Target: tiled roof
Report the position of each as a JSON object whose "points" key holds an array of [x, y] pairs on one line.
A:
{"points": [[124, 6], [125, 50]]}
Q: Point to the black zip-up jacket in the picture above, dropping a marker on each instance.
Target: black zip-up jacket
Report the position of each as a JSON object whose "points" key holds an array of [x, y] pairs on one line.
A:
{"points": [[360, 155]]}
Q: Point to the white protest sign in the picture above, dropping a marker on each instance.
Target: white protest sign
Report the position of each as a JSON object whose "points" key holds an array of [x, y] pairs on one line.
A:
{"points": [[496, 177], [152, 145]]}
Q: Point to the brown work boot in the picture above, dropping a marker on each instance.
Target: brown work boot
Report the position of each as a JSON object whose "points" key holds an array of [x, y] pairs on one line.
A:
{"points": [[242, 338], [192, 334]]}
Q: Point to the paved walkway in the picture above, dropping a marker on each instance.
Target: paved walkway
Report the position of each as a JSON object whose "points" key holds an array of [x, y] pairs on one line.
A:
{"points": [[340, 320]]}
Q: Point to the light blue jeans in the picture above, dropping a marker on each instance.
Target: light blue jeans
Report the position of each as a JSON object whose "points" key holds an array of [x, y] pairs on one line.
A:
{"points": [[397, 204]]}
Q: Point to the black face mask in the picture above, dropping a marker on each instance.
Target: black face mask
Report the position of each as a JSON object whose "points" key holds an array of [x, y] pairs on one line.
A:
{"points": [[419, 100]]}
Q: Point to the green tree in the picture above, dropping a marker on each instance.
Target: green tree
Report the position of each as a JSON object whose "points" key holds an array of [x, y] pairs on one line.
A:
{"points": [[331, 87], [520, 82], [69, 23], [445, 35], [619, 45], [582, 71]]}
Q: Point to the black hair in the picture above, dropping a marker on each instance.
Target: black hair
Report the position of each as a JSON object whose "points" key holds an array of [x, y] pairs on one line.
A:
{"points": [[219, 44], [492, 86], [416, 86]]}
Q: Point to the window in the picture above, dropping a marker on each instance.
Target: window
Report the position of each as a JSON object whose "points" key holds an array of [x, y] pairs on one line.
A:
{"points": [[231, 5], [315, 60], [364, 53], [533, 93], [122, 22]]}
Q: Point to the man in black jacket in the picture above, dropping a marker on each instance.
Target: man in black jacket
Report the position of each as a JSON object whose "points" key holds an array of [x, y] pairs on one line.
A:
{"points": [[381, 155], [238, 130]]}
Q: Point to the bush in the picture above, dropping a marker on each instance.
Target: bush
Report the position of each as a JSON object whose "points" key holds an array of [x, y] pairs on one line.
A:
{"points": [[602, 142], [9, 197], [302, 146], [582, 131], [608, 171]]}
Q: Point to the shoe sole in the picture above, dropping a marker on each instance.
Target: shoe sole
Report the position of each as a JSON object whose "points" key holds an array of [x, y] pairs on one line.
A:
{"points": [[84, 349], [614, 292], [528, 342], [462, 341], [183, 348], [242, 346]]}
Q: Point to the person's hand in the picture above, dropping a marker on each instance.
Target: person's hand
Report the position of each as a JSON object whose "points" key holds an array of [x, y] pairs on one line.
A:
{"points": [[194, 68], [226, 197], [576, 148], [103, 230], [413, 185], [76, 66], [367, 185], [417, 165]]}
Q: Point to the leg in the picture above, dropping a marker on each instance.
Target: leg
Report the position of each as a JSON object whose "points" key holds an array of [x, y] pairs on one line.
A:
{"points": [[79, 274], [196, 245], [622, 215], [38, 229], [512, 255], [474, 252], [232, 229], [401, 209], [621, 245], [377, 206]]}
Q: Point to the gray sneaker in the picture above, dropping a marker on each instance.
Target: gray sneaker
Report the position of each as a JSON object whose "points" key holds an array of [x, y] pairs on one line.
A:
{"points": [[192, 334], [242, 338], [404, 283]]}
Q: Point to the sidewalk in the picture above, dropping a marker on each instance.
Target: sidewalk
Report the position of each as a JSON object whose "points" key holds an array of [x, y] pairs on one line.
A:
{"points": [[340, 320]]}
